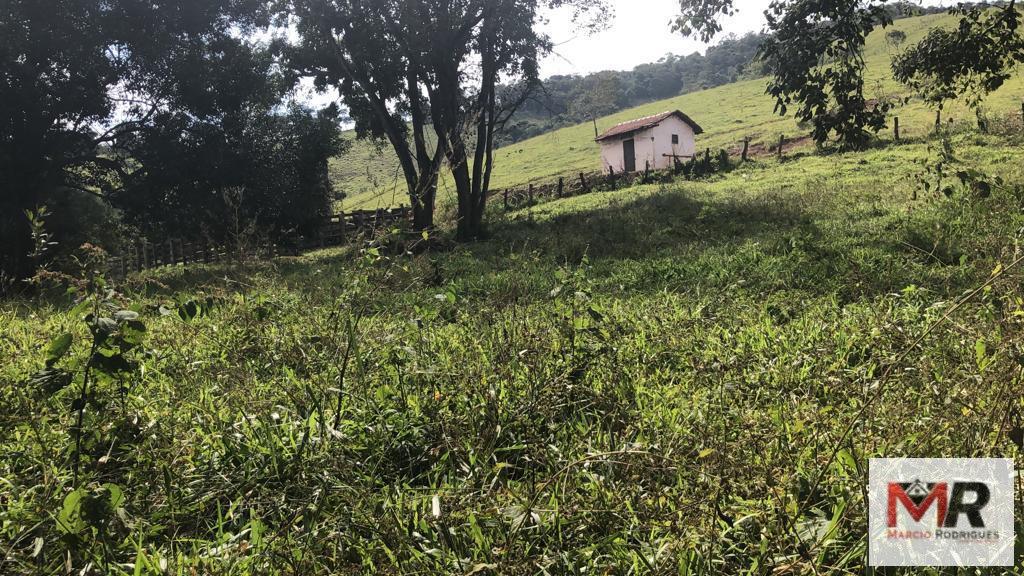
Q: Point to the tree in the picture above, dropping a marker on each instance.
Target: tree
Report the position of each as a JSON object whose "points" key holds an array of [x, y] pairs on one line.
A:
{"points": [[76, 77], [220, 177], [483, 41], [973, 59], [403, 67], [54, 77], [814, 53], [815, 56], [701, 17], [598, 95], [370, 52]]}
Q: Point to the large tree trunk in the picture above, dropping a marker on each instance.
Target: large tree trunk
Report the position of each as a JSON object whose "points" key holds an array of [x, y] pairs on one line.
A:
{"points": [[467, 227], [423, 209]]}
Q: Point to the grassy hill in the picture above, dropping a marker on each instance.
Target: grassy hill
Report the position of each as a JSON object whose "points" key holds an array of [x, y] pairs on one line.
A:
{"points": [[728, 114]]}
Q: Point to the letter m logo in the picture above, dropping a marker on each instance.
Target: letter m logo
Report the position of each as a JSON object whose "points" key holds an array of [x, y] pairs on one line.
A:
{"points": [[917, 498]]}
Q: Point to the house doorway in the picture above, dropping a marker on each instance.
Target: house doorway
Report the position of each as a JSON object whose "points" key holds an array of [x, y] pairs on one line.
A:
{"points": [[629, 153]]}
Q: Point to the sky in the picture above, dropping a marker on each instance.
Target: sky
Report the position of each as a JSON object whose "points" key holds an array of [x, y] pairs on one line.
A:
{"points": [[640, 33]]}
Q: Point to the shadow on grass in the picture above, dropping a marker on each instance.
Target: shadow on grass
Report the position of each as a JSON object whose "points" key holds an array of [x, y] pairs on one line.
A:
{"points": [[806, 242], [665, 221], [766, 242]]}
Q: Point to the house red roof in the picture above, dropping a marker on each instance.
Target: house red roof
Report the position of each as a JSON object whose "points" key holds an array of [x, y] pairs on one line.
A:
{"points": [[626, 128]]}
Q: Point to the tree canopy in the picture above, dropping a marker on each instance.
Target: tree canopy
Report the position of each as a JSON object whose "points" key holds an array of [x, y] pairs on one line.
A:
{"points": [[813, 51], [972, 59], [90, 88], [424, 75]]}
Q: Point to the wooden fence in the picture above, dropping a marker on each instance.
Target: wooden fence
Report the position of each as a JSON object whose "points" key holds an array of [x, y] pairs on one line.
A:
{"points": [[580, 183], [335, 231], [340, 227]]}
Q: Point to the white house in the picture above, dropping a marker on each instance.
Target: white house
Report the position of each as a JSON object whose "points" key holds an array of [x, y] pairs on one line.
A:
{"points": [[658, 140]]}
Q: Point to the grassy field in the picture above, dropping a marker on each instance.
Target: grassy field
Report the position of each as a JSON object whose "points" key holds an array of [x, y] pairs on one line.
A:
{"points": [[728, 114], [674, 379]]}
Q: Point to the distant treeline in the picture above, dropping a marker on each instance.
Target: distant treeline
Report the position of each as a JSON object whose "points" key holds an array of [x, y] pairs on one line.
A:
{"points": [[567, 100]]}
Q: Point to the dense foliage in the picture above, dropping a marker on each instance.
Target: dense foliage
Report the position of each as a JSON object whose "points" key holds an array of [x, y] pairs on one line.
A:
{"points": [[89, 87], [815, 56], [250, 176], [814, 53]]}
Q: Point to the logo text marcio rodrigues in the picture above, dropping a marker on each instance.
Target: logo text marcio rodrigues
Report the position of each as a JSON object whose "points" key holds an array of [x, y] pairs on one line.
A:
{"points": [[941, 512], [958, 511]]}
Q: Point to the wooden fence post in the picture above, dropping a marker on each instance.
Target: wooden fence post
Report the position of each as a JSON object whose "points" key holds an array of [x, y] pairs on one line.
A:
{"points": [[506, 199], [583, 182], [647, 171], [611, 177], [782, 142], [746, 148], [896, 128], [938, 121], [531, 193], [561, 186]]}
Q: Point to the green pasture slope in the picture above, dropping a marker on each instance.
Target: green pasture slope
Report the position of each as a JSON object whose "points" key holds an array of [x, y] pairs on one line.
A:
{"points": [[727, 113], [681, 379]]}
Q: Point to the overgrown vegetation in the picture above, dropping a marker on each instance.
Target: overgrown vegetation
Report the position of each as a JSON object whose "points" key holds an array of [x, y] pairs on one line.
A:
{"points": [[680, 377], [684, 379]]}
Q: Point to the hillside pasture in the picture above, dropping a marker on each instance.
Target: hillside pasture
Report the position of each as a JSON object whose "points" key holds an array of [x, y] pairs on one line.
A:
{"points": [[728, 114]]}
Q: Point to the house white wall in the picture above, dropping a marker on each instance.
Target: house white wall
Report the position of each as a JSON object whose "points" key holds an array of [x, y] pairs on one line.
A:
{"points": [[652, 145]]}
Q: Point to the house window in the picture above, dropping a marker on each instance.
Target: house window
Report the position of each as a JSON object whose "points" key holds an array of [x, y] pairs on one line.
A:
{"points": [[675, 138]]}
